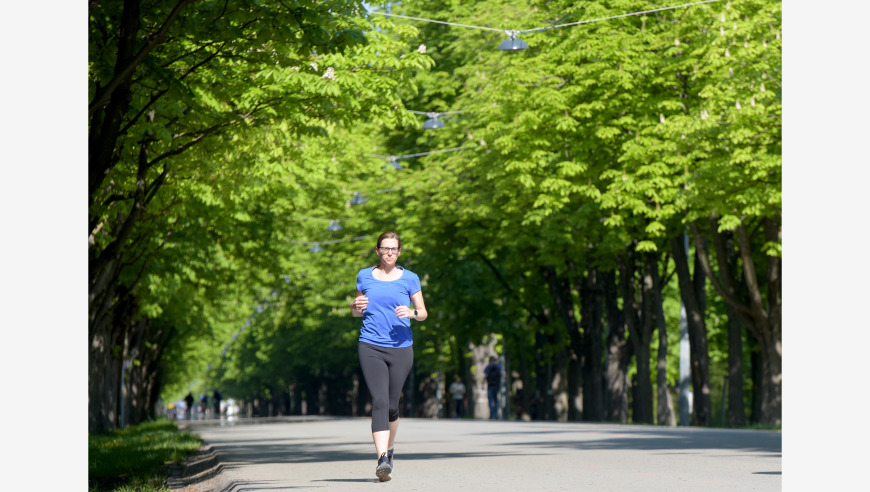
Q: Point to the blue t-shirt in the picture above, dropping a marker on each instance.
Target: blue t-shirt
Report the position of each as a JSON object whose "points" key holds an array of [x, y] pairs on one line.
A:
{"points": [[381, 326]]}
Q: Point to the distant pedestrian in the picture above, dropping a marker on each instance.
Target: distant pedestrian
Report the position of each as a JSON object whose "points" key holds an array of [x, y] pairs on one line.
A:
{"points": [[188, 410], [386, 354], [203, 405], [457, 389], [216, 401], [492, 372]]}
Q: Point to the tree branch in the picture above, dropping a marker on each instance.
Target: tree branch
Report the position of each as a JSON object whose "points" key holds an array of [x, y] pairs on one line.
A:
{"points": [[151, 190], [199, 137], [705, 265], [154, 99], [125, 73], [725, 269], [538, 316], [750, 275], [113, 248]]}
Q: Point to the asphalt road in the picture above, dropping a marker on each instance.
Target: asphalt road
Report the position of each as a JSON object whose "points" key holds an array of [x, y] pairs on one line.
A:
{"points": [[483, 455]]}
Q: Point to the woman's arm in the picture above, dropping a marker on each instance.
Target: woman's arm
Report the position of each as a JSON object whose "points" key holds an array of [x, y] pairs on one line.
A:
{"points": [[419, 305]]}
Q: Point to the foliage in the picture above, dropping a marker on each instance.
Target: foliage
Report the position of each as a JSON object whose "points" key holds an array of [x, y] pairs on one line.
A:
{"points": [[225, 145], [260, 122]]}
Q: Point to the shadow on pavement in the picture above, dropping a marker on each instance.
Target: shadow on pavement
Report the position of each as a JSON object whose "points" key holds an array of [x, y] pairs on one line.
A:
{"points": [[277, 454], [349, 480], [679, 443]]}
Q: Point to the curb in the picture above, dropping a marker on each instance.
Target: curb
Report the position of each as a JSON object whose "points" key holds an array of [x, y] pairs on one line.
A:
{"points": [[201, 466]]}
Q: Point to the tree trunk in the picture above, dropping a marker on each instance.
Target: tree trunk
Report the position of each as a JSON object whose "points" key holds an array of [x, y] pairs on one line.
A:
{"points": [[664, 405], [736, 403], [559, 385], [702, 406], [618, 354], [480, 354], [757, 377], [134, 400], [109, 312], [560, 292], [591, 319], [575, 390], [322, 396], [762, 319], [103, 382], [772, 408], [106, 123], [543, 369], [104, 351], [116, 338], [527, 392], [639, 325], [430, 404], [726, 258]]}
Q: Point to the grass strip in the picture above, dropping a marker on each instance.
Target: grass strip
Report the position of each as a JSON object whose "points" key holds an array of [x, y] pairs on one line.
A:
{"points": [[135, 458]]}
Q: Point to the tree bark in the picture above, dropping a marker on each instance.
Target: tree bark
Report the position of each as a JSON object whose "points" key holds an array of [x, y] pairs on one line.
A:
{"points": [[480, 354], [528, 388], [543, 370], [755, 415], [125, 66], [575, 390], [104, 354], [762, 319], [639, 325], [664, 402], [591, 319], [618, 354], [559, 385], [702, 406], [430, 404], [773, 390], [561, 294], [726, 258], [109, 312], [736, 398]]}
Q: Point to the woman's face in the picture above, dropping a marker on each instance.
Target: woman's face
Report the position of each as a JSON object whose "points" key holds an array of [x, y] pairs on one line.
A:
{"points": [[389, 251]]}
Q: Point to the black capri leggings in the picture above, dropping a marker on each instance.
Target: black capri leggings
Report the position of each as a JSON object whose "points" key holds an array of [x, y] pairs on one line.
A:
{"points": [[385, 370]]}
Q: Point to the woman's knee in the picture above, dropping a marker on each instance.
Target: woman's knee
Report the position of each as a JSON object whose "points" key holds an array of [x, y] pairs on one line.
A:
{"points": [[380, 404]]}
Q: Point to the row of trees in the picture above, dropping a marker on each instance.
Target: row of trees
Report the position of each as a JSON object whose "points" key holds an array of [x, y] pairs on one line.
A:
{"points": [[207, 122], [225, 138]]}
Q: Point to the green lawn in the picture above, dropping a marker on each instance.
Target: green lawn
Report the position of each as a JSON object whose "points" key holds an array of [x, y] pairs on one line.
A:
{"points": [[134, 459]]}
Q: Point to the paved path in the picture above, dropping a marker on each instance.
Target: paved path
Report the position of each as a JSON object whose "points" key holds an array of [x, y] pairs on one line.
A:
{"points": [[482, 455]]}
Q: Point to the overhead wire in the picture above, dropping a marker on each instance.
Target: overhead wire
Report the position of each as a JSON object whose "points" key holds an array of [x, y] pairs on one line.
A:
{"points": [[513, 32]]}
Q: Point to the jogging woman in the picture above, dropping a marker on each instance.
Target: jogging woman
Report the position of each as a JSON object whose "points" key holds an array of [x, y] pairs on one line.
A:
{"points": [[383, 294]]}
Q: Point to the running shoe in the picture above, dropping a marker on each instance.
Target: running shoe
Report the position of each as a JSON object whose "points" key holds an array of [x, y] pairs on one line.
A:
{"points": [[390, 457], [384, 469]]}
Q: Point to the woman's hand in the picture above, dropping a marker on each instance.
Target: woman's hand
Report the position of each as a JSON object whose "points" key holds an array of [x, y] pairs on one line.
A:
{"points": [[404, 312], [359, 303]]}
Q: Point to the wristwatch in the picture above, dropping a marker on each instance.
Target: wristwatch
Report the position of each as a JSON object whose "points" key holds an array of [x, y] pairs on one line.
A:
{"points": [[415, 314]]}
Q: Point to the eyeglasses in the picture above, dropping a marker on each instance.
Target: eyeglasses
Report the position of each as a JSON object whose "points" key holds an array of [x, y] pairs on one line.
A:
{"points": [[388, 250]]}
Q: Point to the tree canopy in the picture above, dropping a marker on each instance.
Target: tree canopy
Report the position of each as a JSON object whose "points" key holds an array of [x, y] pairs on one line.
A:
{"points": [[228, 141]]}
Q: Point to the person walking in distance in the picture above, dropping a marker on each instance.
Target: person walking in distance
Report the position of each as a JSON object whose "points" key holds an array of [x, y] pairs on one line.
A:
{"points": [[216, 402], [203, 405], [492, 372], [189, 408], [386, 354], [457, 389]]}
